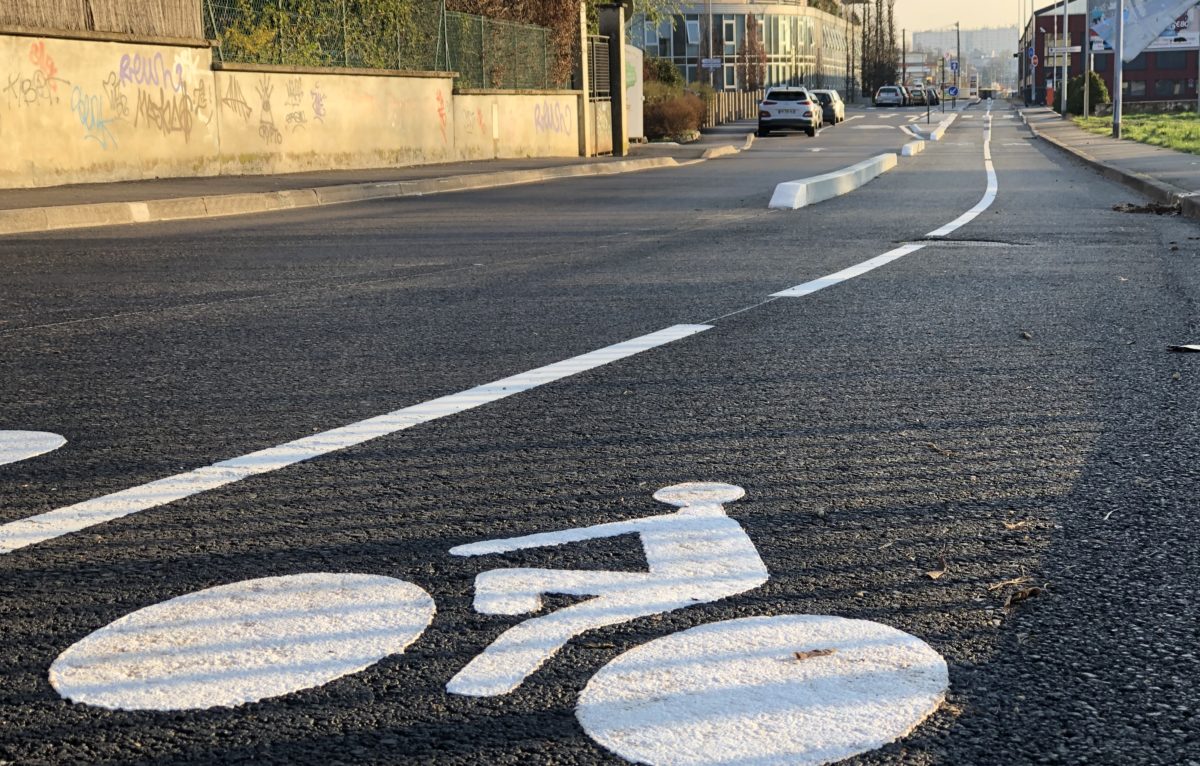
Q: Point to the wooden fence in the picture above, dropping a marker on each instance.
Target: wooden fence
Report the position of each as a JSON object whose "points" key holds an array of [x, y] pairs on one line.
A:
{"points": [[150, 18], [731, 106]]}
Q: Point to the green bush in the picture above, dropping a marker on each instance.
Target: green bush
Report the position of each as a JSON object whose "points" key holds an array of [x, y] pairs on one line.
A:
{"points": [[674, 117], [1098, 93], [655, 92], [663, 71]]}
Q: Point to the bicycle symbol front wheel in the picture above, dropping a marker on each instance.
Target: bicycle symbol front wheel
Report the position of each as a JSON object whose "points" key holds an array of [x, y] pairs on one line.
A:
{"points": [[788, 689]]}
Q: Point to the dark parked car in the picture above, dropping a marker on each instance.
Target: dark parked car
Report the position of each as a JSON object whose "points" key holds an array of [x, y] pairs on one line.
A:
{"points": [[832, 107]]}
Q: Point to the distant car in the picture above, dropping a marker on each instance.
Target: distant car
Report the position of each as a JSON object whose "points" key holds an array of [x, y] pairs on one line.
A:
{"points": [[833, 109], [906, 94], [789, 108], [916, 96], [889, 95]]}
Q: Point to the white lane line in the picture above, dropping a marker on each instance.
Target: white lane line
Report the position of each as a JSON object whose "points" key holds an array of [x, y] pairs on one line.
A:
{"points": [[73, 518], [989, 197], [808, 288], [855, 117], [908, 130], [915, 117]]}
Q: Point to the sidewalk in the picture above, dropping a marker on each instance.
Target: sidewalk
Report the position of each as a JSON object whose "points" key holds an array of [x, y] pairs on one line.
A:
{"points": [[85, 205], [1164, 175]]}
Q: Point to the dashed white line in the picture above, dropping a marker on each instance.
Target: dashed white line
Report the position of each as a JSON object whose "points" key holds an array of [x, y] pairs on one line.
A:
{"points": [[808, 288]]}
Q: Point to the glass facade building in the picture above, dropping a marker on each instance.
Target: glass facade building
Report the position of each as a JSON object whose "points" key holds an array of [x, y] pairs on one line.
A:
{"points": [[754, 44]]}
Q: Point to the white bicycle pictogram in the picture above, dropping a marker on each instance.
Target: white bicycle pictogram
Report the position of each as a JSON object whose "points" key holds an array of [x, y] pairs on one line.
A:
{"points": [[794, 689]]}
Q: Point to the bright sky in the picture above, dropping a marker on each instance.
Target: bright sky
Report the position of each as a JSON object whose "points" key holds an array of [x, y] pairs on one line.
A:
{"points": [[921, 15]]}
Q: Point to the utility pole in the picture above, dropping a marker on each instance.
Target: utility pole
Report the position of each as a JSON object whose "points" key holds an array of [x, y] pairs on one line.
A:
{"points": [[1066, 60], [903, 56], [1087, 59], [1119, 69]]}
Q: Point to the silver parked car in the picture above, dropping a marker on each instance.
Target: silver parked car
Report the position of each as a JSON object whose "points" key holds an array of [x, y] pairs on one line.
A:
{"points": [[832, 106], [889, 95]]}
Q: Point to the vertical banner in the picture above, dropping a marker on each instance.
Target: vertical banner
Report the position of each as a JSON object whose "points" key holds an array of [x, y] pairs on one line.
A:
{"points": [[1149, 25], [634, 91]]}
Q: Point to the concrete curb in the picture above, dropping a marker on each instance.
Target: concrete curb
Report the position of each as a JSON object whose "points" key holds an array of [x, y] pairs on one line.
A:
{"points": [[912, 149], [794, 195], [39, 219], [1158, 191], [720, 151]]}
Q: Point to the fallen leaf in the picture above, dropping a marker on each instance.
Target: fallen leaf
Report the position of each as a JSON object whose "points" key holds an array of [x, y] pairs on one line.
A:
{"points": [[937, 574], [814, 653], [1027, 335], [939, 450], [1022, 596], [1013, 525], [1176, 376]]}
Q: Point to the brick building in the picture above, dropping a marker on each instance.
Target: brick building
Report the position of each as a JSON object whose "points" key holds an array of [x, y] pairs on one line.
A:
{"points": [[1165, 72]]}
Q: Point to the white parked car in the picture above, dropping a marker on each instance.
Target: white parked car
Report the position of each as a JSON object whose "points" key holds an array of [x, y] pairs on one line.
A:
{"points": [[793, 108]]}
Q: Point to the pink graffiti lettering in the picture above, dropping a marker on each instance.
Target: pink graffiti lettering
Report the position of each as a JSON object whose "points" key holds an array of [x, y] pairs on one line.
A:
{"points": [[42, 60], [147, 70], [441, 112]]}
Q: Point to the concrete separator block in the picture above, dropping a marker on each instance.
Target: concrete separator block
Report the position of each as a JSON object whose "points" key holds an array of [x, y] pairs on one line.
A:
{"points": [[794, 195], [719, 151], [912, 149]]}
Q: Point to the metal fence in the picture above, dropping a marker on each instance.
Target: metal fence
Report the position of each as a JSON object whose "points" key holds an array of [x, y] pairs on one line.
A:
{"points": [[373, 34], [382, 34], [488, 53]]}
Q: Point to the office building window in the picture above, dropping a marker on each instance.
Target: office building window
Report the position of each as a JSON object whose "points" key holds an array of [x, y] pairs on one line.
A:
{"points": [[730, 77], [693, 31], [1135, 88], [1168, 88], [1137, 65], [1174, 61], [730, 37]]}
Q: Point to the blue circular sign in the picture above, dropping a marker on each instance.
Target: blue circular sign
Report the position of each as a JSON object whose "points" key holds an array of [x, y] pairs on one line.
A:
{"points": [[952, 91]]}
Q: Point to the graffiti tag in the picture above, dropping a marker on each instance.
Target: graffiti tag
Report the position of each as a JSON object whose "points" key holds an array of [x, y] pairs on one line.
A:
{"points": [[318, 106], [441, 113], [36, 89], [89, 110], [295, 92], [168, 114], [45, 64], [118, 102], [234, 101], [151, 70], [266, 120], [553, 118]]}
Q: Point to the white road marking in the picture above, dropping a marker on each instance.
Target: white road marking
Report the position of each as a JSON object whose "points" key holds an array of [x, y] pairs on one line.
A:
{"points": [[855, 117], [801, 690], [808, 288], [244, 642], [73, 518], [16, 446], [915, 117], [887, 116], [873, 127], [989, 196], [694, 556]]}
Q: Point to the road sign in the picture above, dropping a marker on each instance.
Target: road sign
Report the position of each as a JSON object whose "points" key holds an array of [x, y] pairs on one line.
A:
{"points": [[1061, 50], [1035, 60], [952, 91], [953, 66], [710, 63], [1032, 53]]}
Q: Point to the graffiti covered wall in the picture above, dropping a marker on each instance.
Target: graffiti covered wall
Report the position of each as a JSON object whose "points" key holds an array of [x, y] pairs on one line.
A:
{"points": [[496, 125], [75, 111]]}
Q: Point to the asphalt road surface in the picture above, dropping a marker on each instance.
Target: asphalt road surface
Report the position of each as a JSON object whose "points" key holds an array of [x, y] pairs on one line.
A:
{"points": [[983, 444]]}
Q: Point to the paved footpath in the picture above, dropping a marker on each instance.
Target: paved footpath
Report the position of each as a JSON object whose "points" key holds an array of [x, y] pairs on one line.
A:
{"points": [[1164, 175]]}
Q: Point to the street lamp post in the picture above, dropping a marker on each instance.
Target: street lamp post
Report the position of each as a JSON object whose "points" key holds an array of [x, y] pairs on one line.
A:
{"points": [[1066, 60]]}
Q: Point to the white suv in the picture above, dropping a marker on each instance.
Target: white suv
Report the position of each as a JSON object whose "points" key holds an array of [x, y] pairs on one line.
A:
{"points": [[794, 108]]}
